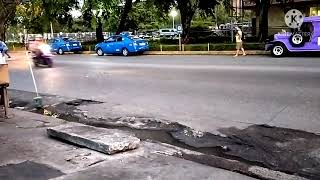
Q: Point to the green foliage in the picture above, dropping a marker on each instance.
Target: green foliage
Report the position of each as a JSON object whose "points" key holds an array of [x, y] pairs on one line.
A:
{"points": [[36, 15], [146, 16], [104, 9], [221, 14], [7, 14], [195, 15]]}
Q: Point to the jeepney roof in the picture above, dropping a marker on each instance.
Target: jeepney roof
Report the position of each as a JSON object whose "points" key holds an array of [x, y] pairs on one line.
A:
{"points": [[312, 19]]}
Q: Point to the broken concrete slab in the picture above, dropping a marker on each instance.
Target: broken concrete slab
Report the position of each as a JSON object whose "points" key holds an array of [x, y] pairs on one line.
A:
{"points": [[22, 139], [109, 141]]}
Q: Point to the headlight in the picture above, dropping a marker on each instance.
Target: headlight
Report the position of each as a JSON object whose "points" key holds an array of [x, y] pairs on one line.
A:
{"points": [[135, 44]]}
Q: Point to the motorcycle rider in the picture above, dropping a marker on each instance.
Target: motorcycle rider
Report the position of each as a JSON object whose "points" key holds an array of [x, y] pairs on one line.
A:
{"points": [[41, 50]]}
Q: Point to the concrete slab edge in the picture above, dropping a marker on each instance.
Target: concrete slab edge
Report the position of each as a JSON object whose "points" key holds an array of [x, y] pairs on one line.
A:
{"points": [[228, 164], [81, 141]]}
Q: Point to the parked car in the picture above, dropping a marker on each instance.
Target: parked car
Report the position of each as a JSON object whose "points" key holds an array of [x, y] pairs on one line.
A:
{"points": [[168, 33], [121, 44], [306, 39], [62, 45]]}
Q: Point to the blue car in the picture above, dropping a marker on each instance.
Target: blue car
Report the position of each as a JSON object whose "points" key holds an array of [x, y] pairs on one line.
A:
{"points": [[121, 44], [62, 45]]}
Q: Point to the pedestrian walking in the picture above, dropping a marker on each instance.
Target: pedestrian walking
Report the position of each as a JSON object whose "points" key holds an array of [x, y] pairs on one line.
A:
{"points": [[4, 49], [239, 42]]}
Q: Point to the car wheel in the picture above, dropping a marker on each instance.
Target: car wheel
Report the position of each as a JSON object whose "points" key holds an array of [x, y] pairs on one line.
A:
{"points": [[125, 52], [100, 52], [297, 40], [278, 50], [60, 51]]}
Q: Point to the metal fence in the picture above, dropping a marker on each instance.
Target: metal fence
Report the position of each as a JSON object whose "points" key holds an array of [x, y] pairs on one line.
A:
{"points": [[81, 36], [196, 36]]}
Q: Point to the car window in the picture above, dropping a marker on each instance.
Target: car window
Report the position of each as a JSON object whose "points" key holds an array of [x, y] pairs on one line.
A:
{"points": [[111, 39], [118, 39], [67, 39], [307, 30], [307, 27]]}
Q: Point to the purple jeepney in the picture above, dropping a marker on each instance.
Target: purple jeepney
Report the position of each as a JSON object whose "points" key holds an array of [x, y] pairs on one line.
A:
{"points": [[306, 39]]}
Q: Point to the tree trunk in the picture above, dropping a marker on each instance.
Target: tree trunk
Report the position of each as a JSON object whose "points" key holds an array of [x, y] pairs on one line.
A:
{"points": [[187, 10], [127, 8], [263, 20], [99, 31], [186, 18], [2, 31]]}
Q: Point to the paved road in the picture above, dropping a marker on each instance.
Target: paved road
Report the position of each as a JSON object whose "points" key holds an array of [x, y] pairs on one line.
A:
{"points": [[205, 92]]}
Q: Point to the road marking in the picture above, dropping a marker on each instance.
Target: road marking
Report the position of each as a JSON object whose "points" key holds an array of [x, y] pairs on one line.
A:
{"points": [[203, 67]]}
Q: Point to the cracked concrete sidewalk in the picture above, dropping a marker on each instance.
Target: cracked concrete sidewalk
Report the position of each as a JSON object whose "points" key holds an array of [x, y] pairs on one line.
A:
{"points": [[24, 142]]}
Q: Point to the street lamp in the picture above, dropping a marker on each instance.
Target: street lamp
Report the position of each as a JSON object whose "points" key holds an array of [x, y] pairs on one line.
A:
{"points": [[173, 13]]}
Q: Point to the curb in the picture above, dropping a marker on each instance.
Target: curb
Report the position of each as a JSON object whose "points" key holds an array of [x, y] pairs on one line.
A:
{"points": [[252, 52], [249, 52], [230, 165]]}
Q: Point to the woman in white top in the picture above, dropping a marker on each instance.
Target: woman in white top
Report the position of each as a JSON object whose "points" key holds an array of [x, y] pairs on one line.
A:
{"points": [[239, 43]]}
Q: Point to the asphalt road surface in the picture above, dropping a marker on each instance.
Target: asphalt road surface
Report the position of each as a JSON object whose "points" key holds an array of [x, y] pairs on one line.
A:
{"points": [[204, 92]]}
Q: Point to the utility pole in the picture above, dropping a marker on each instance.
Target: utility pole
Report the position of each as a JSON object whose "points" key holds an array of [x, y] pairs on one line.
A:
{"points": [[51, 29]]}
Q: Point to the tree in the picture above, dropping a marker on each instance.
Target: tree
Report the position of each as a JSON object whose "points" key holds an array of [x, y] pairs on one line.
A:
{"points": [[127, 8], [141, 19], [142, 15], [264, 23], [188, 9], [95, 12], [221, 14], [7, 13], [37, 15]]}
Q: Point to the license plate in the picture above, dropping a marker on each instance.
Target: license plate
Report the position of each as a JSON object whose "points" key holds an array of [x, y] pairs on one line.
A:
{"points": [[142, 44], [75, 44]]}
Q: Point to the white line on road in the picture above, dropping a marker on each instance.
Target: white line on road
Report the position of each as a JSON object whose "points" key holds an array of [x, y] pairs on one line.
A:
{"points": [[206, 67]]}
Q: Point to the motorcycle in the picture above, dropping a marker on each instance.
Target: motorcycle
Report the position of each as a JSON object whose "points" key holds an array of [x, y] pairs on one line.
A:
{"points": [[42, 61], [42, 56]]}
